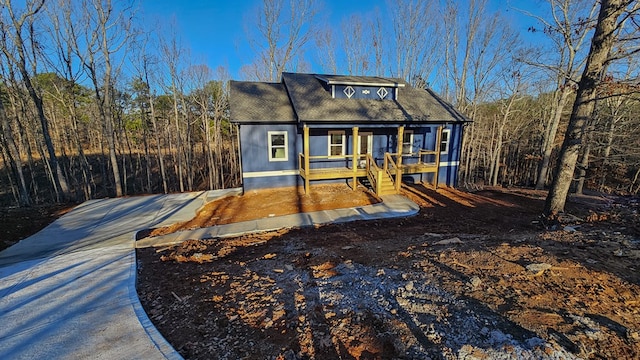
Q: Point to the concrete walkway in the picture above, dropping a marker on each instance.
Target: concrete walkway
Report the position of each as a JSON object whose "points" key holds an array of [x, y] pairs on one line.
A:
{"points": [[68, 292], [391, 206]]}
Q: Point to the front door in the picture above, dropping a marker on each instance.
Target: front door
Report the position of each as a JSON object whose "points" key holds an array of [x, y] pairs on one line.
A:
{"points": [[365, 146]]}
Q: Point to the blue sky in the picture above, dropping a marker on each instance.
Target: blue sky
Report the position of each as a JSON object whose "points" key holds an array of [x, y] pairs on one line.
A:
{"points": [[214, 30]]}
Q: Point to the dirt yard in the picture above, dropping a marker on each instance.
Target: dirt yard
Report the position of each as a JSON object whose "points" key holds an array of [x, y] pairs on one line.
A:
{"points": [[18, 223], [472, 276], [272, 202]]}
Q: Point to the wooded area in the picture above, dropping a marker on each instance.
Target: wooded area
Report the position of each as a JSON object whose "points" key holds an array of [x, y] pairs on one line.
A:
{"points": [[94, 104]]}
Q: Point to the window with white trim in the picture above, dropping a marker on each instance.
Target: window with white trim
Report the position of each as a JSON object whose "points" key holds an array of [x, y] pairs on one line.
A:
{"points": [[407, 142], [278, 146], [336, 143], [445, 138]]}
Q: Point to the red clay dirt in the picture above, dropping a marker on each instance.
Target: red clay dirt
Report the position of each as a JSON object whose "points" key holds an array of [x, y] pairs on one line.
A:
{"points": [[474, 275], [272, 202]]}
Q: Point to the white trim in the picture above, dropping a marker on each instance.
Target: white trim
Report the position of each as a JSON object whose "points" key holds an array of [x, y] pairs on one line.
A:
{"points": [[448, 132], [344, 143], [258, 174], [449, 163], [286, 145], [377, 82]]}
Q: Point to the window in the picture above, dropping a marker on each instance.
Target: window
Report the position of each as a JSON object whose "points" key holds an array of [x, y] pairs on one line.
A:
{"points": [[278, 146], [444, 141], [407, 142], [336, 143]]}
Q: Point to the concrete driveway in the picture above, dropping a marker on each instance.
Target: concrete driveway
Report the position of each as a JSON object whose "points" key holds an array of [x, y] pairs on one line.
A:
{"points": [[68, 292]]}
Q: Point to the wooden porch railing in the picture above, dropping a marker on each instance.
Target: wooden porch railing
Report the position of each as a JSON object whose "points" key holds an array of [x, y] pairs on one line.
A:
{"points": [[354, 168], [393, 170], [305, 161], [374, 174], [423, 152], [349, 168]]}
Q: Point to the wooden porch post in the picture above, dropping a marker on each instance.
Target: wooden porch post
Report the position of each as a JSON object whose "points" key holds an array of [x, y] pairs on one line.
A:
{"points": [[399, 159], [305, 142], [356, 152], [437, 149]]}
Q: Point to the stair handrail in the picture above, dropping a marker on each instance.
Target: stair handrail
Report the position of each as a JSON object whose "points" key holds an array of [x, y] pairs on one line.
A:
{"points": [[374, 173], [389, 163], [371, 163]]}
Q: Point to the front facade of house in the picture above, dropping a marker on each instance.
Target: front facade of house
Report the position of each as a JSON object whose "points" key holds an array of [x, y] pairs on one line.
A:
{"points": [[312, 127]]}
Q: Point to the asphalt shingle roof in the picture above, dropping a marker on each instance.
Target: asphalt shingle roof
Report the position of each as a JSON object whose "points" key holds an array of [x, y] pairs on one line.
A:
{"points": [[260, 102], [308, 99]]}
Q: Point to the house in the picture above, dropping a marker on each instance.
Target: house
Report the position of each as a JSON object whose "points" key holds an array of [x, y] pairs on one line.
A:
{"points": [[313, 127]]}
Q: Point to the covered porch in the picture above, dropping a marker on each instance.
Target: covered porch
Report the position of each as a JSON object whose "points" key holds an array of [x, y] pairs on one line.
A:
{"points": [[385, 177]]}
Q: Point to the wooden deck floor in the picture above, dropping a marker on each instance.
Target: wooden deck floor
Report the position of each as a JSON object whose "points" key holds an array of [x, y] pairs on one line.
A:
{"points": [[341, 173], [333, 173]]}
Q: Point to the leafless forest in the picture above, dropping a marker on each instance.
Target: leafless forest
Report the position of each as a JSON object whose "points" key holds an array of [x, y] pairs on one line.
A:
{"points": [[94, 103]]}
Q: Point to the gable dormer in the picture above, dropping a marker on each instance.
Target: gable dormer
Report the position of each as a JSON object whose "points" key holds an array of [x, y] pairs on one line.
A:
{"points": [[360, 87]]}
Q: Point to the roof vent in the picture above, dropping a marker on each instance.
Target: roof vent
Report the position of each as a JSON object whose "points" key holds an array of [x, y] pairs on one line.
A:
{"points": [[382, 92], [349, 91]]}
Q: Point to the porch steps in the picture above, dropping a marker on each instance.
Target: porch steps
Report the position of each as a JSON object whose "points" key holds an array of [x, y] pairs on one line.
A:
{"points": [[387, 186]]}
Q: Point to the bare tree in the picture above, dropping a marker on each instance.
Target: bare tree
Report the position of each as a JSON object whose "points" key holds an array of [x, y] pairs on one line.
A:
{"points": [[569, 25], [103, 37], [145, 65], [361, 49], [414, 39], [478, 48], [513, 86], [15, 160], [327, 50], [21, 50], [67, 66], [202, 75], [357, 45], [172, 52], [282, 34], [604, 38]]}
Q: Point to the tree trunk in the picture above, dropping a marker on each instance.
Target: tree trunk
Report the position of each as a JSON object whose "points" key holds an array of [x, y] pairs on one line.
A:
{"points": [[607, 151], [498, 153], [550, 137], [635, 180], [178, 157], [154, 123], [601, 44], [584, 165], [5, 160], [111, 141], [14, 157]]}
